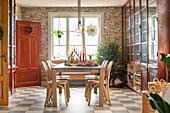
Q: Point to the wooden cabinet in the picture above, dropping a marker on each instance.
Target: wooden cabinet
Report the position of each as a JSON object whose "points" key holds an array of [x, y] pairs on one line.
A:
{"points": [[144, 78], [11, 47], [140, 32], [140, 38]]}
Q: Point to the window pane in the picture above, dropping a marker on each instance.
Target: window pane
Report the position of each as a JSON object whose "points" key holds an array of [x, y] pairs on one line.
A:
{"points": [[89, 40], [91, 50], [73, 22], [59, 52], [75, 40], [59, 24], [77, 48], [60, 41]]}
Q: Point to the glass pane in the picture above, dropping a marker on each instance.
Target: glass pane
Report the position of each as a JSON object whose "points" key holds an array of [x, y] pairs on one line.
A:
{"points": [[137, 29], [60, 41], [91, 50], [153, 43], [152, 22], [132, 8], [132, 53], [73, 22], [59, 24], [144, 53], [153, 52], [127, 11], [89, 40], [75, 40], [137, 53], [150, 1], [128, 54], [78, 49], [127, 32], [59, 52], [136, 6], [143, 3], [132, 30], [144, 25]]}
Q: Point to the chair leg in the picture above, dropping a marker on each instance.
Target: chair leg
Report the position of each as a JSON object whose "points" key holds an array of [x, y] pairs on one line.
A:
{"points": [[60, 90], [95, 90], [67, 87], [68, 90], [105, 93], [47, 93], [86, 89], [89, 95], [65, 92], [107, 88]]}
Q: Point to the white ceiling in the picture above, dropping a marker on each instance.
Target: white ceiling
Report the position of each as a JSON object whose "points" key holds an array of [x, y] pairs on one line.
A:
{"points": [[69, 3]]}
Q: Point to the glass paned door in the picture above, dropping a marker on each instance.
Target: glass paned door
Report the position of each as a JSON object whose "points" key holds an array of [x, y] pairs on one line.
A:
{"points": [[153, 38]]}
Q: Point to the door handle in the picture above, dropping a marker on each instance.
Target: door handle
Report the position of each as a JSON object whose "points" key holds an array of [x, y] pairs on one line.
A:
{"points": [[4, 56]]}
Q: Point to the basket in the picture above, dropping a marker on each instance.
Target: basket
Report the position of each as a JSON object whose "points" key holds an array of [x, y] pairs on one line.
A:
{"points": [[146, 107], [160, 85]]}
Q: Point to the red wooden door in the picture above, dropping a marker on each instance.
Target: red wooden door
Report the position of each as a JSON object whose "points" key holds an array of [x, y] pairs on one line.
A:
{"points": [[28, 54]]}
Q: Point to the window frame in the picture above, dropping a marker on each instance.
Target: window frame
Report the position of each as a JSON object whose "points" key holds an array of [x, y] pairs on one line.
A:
{"points": [[68, 15]]}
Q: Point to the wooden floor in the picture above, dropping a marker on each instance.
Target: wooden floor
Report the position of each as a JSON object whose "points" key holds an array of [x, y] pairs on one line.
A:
{"points": [[31, 100]]}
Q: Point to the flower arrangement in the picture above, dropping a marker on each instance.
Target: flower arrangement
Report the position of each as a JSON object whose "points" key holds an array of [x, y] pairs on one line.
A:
{"points": [[28, 29], [1, 32]]}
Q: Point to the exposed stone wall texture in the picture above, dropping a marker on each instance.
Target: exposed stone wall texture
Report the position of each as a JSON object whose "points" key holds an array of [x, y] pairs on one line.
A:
{"points": [[18, 12], [112, 19]]}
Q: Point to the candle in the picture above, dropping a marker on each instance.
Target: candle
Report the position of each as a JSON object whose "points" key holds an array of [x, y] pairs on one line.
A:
{"points": [[83, 56], [80, 56]]}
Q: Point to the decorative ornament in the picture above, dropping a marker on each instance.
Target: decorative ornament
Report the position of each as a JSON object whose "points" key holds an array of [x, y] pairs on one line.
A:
{"points": [[1, 32], [117, 81], [28, 29], [92, 30]]}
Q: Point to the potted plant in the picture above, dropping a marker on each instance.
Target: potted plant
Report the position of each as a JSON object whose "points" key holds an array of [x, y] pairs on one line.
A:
{"points": [[1, 32], [108, 50], [157, 103], [90, 56], [58, 33]]}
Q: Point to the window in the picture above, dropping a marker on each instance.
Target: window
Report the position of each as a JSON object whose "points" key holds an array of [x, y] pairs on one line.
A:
{"points": [[59, 48]]}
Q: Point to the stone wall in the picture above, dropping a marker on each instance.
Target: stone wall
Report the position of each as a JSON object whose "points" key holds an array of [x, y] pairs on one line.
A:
{"points": [[112, 19], [18, 12]]}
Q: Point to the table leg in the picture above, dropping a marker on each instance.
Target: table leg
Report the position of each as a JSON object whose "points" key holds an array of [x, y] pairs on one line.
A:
{"points": [[60, 89], [54, 91], [101, 88]]}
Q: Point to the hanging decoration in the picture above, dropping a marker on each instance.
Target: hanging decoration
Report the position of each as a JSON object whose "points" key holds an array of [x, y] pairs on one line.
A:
{"points": [[80, 28], [92, 30], [58, 32], [28, 29], [1, 32]]}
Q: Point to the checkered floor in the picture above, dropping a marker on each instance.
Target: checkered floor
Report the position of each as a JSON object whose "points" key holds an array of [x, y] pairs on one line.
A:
{"points": [[31, 100]]}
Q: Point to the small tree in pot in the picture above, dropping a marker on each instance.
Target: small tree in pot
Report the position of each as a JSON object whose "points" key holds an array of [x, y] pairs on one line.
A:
{"points": [[108, 50], [58, 33]]}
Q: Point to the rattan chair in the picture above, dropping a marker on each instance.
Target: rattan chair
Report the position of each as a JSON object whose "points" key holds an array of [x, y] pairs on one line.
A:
{"points": [[94, 83], [59, 83]]}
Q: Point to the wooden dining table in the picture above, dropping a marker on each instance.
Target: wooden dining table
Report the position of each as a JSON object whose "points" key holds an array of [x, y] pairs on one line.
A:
{"points": [[62, 68]]}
